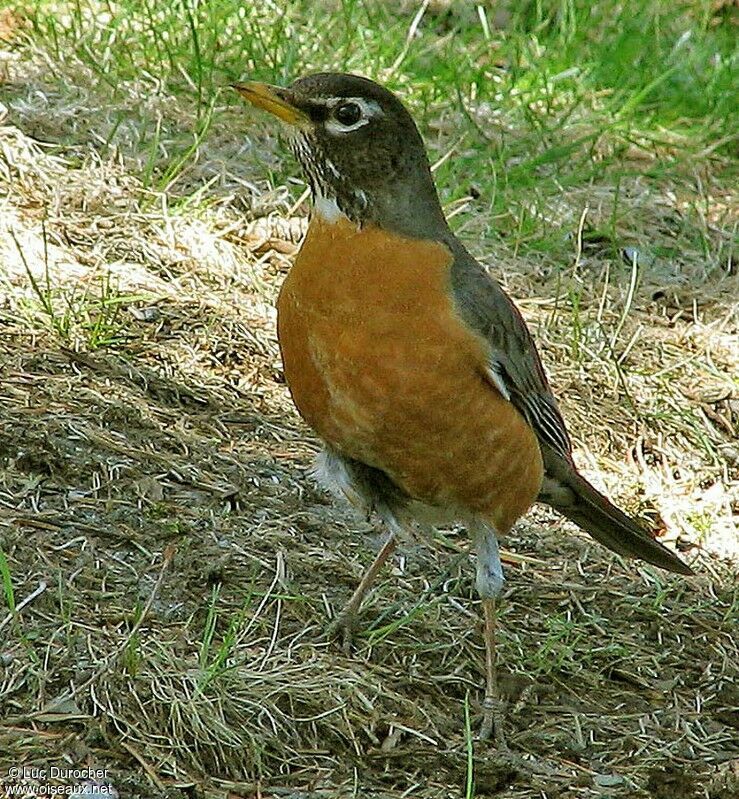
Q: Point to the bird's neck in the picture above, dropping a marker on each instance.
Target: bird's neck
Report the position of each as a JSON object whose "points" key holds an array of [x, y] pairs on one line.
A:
{"points": [[408, 210], [327, 209]]}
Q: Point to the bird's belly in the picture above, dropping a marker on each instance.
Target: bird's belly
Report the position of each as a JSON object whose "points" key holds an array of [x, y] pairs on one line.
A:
{"points": [[382, 368]]}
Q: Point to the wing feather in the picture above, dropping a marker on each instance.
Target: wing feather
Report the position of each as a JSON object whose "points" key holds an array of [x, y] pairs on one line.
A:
{"points": [[514, 367]]}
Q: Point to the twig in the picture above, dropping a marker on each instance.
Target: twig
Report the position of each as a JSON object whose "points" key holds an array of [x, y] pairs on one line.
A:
{"points": [[22, 604]]}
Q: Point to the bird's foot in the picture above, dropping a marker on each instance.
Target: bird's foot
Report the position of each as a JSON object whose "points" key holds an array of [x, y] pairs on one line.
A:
{"points": [[516, 762], [343, 629], [492, 723]]}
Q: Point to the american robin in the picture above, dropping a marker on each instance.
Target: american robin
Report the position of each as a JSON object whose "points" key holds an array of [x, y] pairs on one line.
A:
{"points": [[407, 358]]}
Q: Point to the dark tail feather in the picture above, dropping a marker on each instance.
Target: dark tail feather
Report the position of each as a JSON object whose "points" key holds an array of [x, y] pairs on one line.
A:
{"points": [[595, 514]]}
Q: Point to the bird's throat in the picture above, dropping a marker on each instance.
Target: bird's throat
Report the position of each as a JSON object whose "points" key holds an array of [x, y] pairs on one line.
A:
{"points": [[326, 208]]}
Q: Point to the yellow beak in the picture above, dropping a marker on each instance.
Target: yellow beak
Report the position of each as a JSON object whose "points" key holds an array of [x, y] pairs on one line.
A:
{"points": [[271, 98]]}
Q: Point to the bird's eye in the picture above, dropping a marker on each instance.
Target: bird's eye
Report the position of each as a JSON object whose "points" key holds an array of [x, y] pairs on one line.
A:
{"points": [[348, 114]]}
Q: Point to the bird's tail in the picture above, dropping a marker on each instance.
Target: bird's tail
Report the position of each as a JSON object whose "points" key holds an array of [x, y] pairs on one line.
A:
{"points": [[574, 497]]}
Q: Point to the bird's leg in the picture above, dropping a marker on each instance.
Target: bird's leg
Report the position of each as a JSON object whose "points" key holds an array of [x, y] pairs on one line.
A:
{"points": [[492, 719], [489, 584], [346, 620]]}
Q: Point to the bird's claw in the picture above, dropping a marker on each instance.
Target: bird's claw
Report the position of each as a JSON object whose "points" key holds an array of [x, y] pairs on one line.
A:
{"points": [[492, 723], [343, 628]]}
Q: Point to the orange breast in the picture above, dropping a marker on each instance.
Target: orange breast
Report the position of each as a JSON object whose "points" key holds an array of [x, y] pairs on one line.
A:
{"points": [[383, 369]]}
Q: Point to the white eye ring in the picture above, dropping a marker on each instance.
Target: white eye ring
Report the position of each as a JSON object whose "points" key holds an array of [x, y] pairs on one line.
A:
{"points": [[369, 110]]}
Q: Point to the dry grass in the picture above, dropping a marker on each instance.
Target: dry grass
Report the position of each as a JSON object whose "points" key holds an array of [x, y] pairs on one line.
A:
{"points": [[171, 569]]}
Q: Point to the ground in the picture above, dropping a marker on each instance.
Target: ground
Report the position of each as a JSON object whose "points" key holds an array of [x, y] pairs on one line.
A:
{"points": [[169, 568]]}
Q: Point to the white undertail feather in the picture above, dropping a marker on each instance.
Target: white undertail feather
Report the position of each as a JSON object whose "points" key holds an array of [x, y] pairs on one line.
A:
{"points": [[331, 472]]}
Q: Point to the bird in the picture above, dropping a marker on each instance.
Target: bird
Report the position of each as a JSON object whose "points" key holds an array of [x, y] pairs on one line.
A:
{"points": [[409, 361]]}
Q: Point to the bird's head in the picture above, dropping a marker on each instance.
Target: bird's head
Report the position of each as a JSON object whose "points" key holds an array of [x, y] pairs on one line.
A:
{"points": [[359, 148]]}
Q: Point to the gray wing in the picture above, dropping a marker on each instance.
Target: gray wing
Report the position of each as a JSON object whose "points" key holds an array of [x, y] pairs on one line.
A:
{"points": [[486, 308], [515, 367]]}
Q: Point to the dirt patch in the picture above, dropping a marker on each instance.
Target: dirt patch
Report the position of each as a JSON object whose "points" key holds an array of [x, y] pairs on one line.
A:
{"points": [[672, 783]]}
